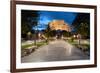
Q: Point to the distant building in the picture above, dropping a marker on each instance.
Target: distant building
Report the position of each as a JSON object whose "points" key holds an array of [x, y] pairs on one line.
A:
{"points": [[59, 25]]}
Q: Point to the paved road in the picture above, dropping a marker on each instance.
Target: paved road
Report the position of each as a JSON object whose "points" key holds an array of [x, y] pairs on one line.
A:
{"points": [[58, 50]]}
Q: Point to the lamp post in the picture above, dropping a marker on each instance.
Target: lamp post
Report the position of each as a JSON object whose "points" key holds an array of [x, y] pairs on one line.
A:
{"points": [[29, 35], [35, 35], [79, 38], [35, 38]]}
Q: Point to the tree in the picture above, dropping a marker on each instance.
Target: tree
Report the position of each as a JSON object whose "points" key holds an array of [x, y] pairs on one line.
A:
{"points": [[47, 31], [83, 29], [29, 18], [82, 24]]}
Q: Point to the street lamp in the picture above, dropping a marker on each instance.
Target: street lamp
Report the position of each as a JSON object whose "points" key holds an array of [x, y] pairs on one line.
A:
{"points": [[35, 35], [79, 38]]}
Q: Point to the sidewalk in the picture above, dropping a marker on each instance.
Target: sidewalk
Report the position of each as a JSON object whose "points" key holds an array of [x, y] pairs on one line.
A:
{"points": [[58, 50]]}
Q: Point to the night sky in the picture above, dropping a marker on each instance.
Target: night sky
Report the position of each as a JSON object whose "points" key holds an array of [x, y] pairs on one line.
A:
{"points": [[47, 16]]}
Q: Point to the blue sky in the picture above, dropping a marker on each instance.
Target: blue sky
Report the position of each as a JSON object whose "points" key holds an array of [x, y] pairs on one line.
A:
{"points": [[47, 16]]}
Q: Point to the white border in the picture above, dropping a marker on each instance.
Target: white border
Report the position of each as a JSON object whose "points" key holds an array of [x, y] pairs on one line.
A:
{"points": [[51, 64]]}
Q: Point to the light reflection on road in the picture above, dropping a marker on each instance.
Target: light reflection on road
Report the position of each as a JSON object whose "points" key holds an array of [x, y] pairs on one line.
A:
{"points": [[58, 50]]}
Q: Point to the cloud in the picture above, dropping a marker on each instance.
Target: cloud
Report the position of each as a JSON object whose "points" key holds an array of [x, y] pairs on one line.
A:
{"points": [[47, 16]]}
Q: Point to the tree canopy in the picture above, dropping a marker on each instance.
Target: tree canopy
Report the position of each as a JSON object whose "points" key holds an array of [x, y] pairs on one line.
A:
{"points": [[29, 18], [82, 24]]}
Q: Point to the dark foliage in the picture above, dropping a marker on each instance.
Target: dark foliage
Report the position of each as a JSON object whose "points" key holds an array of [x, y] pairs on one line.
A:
{"points": [[82, 24], [29, 18]]}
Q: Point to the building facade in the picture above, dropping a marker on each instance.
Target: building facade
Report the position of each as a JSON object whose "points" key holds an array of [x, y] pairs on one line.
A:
{"points": [[59, 25]]}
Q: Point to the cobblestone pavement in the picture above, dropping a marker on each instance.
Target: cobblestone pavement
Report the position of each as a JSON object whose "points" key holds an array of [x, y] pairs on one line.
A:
{"points": [[57, 50]]}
